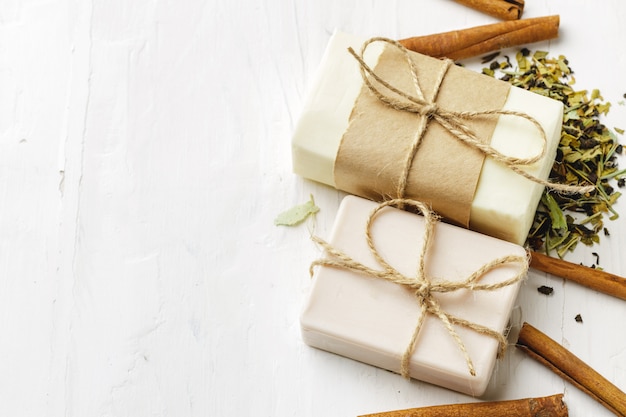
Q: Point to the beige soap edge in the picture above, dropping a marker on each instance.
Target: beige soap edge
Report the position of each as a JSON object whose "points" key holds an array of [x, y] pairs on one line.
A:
{"points": [[325, 118]]}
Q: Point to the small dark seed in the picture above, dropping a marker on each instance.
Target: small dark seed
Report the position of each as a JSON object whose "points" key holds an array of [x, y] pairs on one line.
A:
{"points": [[545, 290], [578, 318]]}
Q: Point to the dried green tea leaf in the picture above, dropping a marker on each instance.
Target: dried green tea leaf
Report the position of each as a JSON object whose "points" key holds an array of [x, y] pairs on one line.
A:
{"points": [[595, 94], [556, 214], [572, 115], [296, 214]]}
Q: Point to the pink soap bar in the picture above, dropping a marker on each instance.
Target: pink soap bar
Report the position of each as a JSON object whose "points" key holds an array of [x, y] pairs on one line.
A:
{"points": [[371, 320]]}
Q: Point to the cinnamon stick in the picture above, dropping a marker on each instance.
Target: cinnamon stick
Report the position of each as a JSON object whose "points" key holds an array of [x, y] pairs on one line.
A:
{"points": [[552, 406], [548, 352], [595, 279], [480, 40], [502, 9]]}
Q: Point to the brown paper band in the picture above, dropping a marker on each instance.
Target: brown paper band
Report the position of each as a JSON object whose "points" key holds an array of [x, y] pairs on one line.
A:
{"points": [[445, 172]]}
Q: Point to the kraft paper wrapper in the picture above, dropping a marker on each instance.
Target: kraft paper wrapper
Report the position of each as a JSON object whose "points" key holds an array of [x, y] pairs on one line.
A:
{"points": [[445, 171]]}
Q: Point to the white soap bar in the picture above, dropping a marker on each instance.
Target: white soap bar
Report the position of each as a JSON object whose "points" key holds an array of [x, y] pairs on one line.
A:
{"points": [[371, 320], [504, 203]]}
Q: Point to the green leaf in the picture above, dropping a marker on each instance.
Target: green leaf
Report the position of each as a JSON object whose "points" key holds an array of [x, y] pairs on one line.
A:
{"points": [[297, 214], [556, 214]]}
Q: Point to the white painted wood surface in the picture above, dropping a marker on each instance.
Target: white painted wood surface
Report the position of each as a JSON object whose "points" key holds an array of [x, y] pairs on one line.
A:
{"points": [[144, 152]]}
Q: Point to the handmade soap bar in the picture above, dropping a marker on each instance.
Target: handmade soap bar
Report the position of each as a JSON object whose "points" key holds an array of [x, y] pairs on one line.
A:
{"points": [[371, 319], [503, 203]]}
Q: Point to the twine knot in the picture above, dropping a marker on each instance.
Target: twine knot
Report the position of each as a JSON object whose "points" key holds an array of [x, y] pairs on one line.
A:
{"points": [[429, 110], [424, 289], [452, 121]]}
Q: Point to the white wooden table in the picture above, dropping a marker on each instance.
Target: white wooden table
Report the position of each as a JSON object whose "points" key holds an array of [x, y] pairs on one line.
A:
{"points": [[144, 153]]}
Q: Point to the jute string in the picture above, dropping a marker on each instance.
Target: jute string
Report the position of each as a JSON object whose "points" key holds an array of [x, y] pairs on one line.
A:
{"points": [[422, 285], [452, 121]]}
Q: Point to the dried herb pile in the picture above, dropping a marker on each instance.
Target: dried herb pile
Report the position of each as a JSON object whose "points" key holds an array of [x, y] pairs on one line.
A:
{"points": [[587, 153]]}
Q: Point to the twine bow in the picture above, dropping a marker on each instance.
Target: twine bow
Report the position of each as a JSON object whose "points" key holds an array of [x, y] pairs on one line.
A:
{"points": [[452, 121], [424, 288]]}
